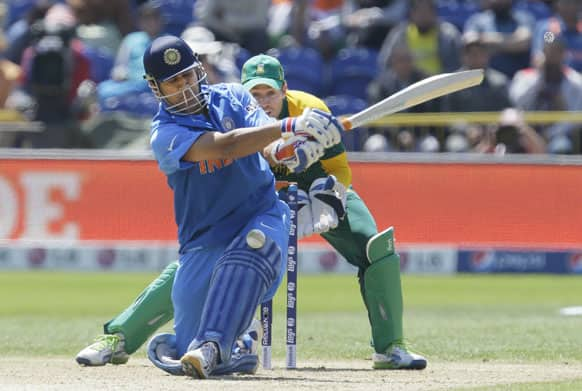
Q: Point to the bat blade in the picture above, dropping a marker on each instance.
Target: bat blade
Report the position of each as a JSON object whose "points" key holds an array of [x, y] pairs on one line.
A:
{"points": [[415, 94]]}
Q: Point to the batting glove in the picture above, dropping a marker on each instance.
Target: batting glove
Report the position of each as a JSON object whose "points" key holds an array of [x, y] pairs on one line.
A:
{"points": [[328, 203], [314, 123], [305, 153]]}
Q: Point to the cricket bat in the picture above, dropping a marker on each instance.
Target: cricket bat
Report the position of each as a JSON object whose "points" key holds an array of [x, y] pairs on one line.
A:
{"points": [[415, 94]]}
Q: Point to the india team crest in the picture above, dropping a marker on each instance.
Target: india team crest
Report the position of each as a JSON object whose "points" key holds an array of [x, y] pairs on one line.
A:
{"points": [[172, 56], [228, 123]]}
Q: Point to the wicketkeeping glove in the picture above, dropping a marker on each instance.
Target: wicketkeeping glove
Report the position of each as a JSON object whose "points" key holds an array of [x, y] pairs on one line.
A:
{"points": [[328, 203], [304, 217], [305, 153], [318, 124]]}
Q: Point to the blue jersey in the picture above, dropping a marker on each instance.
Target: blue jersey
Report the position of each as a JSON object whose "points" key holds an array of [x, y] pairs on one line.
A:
{"points": [[213, 200]]}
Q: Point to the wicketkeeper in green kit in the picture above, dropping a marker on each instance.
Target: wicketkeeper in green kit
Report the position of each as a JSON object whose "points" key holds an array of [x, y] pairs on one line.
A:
{"points": [[327, 205]]}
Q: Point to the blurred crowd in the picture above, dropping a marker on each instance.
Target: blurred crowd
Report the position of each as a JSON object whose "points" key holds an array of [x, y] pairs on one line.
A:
{"points": [[75, 65]]}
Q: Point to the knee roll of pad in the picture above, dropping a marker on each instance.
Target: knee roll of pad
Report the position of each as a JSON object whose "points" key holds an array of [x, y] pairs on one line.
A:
{"points": [[264, 259]]}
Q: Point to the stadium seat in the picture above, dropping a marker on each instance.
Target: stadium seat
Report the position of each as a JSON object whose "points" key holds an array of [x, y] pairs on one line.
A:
{"points": [[352, 70], [101, 63], [341, 105], [304, 69]]}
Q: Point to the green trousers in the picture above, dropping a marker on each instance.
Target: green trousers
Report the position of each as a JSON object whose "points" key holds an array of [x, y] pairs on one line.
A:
{"points": [[350, 239]]}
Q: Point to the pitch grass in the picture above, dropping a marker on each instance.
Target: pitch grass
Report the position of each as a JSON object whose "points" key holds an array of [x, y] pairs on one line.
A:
{"points": [[460, 318]]}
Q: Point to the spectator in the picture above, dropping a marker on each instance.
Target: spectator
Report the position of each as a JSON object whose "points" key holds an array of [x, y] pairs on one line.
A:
{"points": [[53, 69], [243, 21], [102, 23], [507, 33], [316, 24], [551, 85], [176, 14], [567, 23], [492, 94], [405, 141], [434, 44], [19, 35], [127, 74], [9, 74], [128, 62], [283, 20], [368, 22], [512, 135], [216, 57], [397, 74]]}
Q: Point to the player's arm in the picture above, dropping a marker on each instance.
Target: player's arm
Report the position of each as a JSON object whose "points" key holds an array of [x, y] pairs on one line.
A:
{"points": [[234, 144], [319, 126]]}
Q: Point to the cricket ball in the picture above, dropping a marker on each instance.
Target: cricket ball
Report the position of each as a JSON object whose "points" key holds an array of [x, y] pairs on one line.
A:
{"points": [[256, 238]]}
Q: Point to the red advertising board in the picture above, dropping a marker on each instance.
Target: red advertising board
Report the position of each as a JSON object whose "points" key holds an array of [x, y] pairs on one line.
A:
{"points": [[453, 203]]}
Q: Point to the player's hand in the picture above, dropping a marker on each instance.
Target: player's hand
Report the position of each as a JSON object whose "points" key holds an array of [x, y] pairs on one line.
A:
{"points": [[304, 217], [305, 153], [328, 203], [318, 124]]}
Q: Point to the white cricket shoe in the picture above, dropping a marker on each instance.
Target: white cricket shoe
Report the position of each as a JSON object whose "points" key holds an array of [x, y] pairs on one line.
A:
{"points": [[200, 362], [397, 356], [107, 348]]}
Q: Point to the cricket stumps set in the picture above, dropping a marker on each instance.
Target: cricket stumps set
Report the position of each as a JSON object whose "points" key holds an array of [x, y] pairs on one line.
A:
{"points": [[267, 307]]}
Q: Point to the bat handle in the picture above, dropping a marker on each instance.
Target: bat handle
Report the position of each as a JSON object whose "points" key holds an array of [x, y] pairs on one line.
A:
{"points": [[289, 150]]}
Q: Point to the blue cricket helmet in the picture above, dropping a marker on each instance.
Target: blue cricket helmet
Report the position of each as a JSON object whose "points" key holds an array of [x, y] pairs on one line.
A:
{"points": [[167, 57]]}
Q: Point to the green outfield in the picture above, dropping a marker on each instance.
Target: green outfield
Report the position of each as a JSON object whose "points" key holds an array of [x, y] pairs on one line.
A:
{"points": [[450, 319]]}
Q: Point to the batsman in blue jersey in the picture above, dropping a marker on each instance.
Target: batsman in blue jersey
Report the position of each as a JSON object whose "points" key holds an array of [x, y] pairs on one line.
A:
{"points": [[232, 228]]}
